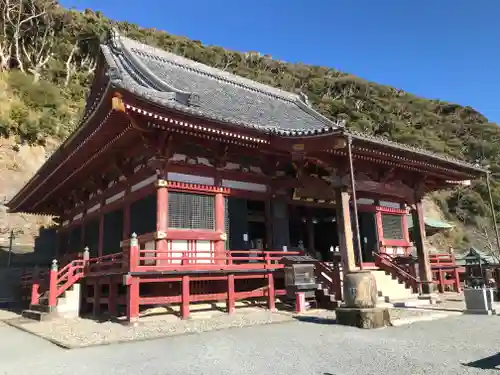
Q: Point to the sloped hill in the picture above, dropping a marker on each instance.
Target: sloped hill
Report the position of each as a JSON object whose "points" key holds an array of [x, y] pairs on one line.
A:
{"points": [[46, 89]]}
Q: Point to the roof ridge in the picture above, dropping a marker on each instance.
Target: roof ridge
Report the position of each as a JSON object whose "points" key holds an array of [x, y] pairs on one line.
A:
{"points": [[200, 68]]}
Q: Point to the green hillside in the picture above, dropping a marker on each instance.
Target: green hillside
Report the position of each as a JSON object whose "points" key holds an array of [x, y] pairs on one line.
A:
{"points": [[47, 58]]}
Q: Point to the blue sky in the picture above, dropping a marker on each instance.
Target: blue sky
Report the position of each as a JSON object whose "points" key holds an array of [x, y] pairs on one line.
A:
{"points": [[441, 49]]}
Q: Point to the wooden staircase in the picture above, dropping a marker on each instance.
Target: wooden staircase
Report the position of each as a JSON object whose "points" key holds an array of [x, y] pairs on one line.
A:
{"points": [[329, 294], [57, 296], [403, 273]]}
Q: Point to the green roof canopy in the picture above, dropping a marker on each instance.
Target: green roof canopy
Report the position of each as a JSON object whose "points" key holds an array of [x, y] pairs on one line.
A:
{"points": [[431, 223]]}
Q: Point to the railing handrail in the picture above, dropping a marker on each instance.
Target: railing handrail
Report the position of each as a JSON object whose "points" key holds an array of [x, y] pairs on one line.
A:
{"points": [[396, 267], [106, 257], [332, 276]]}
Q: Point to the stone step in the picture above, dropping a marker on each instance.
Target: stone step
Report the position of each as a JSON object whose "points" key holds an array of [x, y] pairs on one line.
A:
{"points": [[36, 315], [40, 308], [411, 302]]}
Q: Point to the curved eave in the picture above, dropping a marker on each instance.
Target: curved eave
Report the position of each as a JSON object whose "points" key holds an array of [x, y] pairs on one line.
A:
{"points": [[59, 157], [431, 157]]}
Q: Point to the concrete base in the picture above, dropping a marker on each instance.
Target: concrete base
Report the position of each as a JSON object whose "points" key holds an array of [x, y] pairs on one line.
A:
{"points": [[376, 317]]}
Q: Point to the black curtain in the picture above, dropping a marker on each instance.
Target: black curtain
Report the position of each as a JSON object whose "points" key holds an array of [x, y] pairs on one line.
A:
{"points": [[143, 215], [92, 237], [113, 228], [75, 240], [238, 223]]}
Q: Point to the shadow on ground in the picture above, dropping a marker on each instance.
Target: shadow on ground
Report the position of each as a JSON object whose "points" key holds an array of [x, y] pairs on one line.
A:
{"points": [[315, 319], [488, 363]]}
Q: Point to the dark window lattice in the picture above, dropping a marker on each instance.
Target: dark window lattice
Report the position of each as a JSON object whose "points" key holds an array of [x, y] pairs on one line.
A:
{"points": [[392, 227], [191, 211]]}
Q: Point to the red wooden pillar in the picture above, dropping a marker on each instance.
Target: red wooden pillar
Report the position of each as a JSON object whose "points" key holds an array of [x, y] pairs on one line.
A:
{"points": [[53, 284], [185, 297], [35, 288], [161, 215], [220, 245], [230, 293], [271, 292], [133, 299]]}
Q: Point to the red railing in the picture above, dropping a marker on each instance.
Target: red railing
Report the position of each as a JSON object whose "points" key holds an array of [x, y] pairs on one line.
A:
{"points": [[61, 280], [155, 260], [133, 259], [389, 264]]}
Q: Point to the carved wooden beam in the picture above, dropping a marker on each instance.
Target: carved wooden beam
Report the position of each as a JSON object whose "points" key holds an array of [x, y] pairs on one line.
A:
{"points": [[386, 175], [164, 150]]}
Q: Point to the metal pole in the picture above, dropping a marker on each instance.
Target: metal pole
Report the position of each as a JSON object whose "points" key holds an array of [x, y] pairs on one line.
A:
{"points": [[11, 242], [493, 217], [354, 202]]}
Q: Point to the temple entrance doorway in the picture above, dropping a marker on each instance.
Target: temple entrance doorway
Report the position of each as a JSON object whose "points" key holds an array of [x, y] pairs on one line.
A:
{"points": [[314, 229]]}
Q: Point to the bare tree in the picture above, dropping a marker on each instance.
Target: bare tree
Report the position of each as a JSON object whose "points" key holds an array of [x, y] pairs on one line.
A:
{"points": [[38, 46], [486, 235], [79, 60], [7, 7], [18, 19]]}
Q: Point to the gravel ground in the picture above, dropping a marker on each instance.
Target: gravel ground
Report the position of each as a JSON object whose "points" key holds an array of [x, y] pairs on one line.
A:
{"points": [[79, 333], [435, 348]]}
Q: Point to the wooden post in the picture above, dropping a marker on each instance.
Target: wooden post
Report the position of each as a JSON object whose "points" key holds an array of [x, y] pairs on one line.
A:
{"points": [[230, 294], [126, 214], [441, 280], [185, 297], [86, 258], [96, 306], [35, 288], [112, 297], [101, 234], [161, 215], [300, 302], [133, 299], [269, 224], [424, 265], [271, 292], [220, 245], [310, 233], [344, 229], [133, 253], [456, 275], [53, 284]]}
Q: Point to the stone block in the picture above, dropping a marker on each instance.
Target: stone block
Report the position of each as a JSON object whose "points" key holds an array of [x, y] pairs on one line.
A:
{"points": [[479, 301], [376, 317]]}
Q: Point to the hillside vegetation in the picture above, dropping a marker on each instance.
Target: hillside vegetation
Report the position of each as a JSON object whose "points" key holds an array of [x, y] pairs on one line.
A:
{"points": [[48, 56]]}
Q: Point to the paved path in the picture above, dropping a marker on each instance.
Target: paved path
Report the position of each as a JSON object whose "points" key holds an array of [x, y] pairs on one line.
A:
{"points": [[282, 349]]}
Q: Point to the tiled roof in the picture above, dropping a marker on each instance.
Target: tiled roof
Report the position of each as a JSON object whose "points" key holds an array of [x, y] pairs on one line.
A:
{"points": [[189, 87], [196, 89]]}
